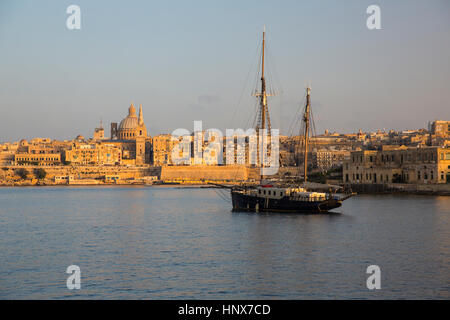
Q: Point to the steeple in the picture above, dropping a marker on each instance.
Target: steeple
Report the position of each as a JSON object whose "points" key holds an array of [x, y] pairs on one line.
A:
{"points": [[141, 117]]}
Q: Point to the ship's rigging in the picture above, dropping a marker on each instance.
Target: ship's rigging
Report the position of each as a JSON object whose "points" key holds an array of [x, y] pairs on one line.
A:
{"points": [[281, 197], [263, 121]]}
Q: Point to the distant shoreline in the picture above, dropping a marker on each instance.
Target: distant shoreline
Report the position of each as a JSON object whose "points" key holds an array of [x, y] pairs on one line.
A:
{"points": [[206, 186], [363, 189]]}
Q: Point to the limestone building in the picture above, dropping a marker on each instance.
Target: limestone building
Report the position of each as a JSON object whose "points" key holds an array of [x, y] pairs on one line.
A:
{"points": [[441, 128], [94, 154], [38, 159], [422, 165], [99, 133], [162, 149]]}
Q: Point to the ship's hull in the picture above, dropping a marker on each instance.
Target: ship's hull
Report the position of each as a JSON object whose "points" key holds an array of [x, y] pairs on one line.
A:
{"points": [[244, 202]]}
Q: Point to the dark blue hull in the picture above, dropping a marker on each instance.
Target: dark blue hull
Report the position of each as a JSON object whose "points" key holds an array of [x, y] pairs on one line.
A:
{"points": [[243, 202]]}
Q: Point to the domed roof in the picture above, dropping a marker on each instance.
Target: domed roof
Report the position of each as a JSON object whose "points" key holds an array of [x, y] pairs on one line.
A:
{"points": [[128, 123], [131, 121]]}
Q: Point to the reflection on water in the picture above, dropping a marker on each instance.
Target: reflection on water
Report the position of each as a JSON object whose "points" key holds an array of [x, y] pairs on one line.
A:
{"points": [[158, 242]]}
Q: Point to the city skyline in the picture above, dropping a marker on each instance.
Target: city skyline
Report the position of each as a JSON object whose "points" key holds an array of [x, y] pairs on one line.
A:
{"points": [[59, 83]]}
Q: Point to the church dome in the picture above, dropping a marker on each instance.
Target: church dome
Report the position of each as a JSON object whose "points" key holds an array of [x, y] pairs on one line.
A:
{"points": [[131, 121], [132, 126]]}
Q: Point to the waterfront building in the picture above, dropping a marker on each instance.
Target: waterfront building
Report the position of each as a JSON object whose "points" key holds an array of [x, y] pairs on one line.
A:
{"points": [[420, 165]]}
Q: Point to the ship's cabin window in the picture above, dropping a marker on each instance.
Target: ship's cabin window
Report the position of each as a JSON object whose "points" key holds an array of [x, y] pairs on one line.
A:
{"points": [[259, 191], [269, 192], [274, 193], [264, 191]]}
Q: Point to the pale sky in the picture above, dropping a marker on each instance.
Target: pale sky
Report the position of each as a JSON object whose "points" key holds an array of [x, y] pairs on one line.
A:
{"points": [[189, 60]]}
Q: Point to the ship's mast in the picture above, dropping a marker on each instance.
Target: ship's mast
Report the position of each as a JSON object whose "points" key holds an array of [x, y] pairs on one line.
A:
{"points": [[264, 119], [306, 133], [263, 113], [263, 96]]}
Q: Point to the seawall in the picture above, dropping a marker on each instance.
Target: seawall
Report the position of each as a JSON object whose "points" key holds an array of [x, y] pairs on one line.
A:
{"points": [[198, 173], [425, 189]]}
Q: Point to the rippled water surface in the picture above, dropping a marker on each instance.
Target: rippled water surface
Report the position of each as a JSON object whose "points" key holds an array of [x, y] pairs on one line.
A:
{"points": [[182, 243]]}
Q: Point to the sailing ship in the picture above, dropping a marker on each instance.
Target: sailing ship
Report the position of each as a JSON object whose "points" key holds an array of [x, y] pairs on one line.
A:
{"points": [[267, 197]]}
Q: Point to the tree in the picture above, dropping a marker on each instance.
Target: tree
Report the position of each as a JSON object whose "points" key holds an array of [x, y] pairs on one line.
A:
{"points": [[40, 173], [22, 173]]}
